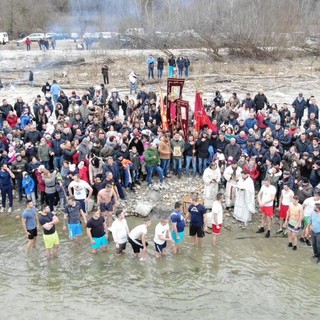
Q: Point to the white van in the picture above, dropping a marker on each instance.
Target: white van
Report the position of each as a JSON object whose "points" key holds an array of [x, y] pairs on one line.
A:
{"points": [[4, 38]]}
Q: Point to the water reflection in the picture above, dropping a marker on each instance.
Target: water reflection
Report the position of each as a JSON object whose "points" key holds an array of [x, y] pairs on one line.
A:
{"points": [[244, 278]]}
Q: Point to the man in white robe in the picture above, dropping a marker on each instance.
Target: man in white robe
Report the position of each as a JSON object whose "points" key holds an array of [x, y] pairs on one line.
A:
{"points": [[244, 205], [232, 174], [211, 178]]}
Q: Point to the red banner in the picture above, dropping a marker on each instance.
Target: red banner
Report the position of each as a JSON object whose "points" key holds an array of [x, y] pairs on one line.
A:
{"points": [[183, 116], [174, 92]]}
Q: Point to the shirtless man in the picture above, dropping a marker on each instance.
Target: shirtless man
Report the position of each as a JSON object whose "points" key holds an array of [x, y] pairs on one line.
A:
{"points": [[110, 180], [293, 222], [105, 201]]}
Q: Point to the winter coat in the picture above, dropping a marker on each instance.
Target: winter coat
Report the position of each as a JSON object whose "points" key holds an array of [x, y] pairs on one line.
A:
{"points": [[301, 146], [165, 149], [18, 167], [135, 159], [233, 151], [28, 185], [152, 157], [50, 183], [260, 100], [299, 106], [43, 153], [202, 148]]}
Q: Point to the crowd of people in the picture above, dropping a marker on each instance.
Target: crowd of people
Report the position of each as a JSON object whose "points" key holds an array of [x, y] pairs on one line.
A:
{"points": [[61, 152]]}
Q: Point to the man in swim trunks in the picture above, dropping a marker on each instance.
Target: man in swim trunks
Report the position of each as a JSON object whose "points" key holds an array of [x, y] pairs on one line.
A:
{"points": [[178, 225], [72, 216], [197, 213], [161, 236], [266, 198], [30, 221], [97, 232], [50, 235], [106, 198], [217, 217], [293, 222]]}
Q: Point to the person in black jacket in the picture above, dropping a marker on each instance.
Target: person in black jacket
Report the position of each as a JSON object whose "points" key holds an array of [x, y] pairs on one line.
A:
{"points": [[260, 100], [19, 107], [172, 64], [299, 105], [160, 65], [63, 99], [105, 74], [202, 146], [46, 88]]}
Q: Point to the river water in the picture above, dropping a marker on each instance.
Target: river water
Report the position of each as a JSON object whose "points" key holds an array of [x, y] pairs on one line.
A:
{"points": [[244, 277]]}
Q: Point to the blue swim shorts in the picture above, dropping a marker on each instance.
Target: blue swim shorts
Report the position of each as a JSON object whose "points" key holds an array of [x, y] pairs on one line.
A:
{"points": [[75, 230], [174, 238], [100, 242]]}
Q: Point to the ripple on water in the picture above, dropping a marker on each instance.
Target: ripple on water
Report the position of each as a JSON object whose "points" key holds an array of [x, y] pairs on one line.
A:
{"points": [[243, 277]]}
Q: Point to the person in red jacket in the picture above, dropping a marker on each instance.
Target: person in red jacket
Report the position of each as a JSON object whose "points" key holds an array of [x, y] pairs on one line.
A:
{"points": [[83, 171], [28, 44], [252, 170], [12, 119]]}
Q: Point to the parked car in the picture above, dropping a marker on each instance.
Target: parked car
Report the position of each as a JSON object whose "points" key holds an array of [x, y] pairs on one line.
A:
{"points": [[74, 35], [62, 36], [49, 35], [4, 38], [33, 37]]}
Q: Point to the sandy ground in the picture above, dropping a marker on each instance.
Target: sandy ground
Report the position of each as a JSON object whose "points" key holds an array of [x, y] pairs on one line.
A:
{"points": [[281, 81]]}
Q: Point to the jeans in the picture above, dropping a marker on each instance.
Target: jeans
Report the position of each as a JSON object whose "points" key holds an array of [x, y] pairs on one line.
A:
{"points": [[133, 86], [191, 160], [32, 196], [120, 190], [171, 71], [186, 71], [177, 165], [150, 73], [165, 164], [55, 98], [135, 175], [180, 71], [150, 170], [202, 164], [316, 244], [160, 71], [57, 162], [20, 189], [4, 192]]}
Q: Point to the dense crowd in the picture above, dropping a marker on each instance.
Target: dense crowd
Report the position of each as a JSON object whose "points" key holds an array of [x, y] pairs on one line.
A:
{"points": [[99, 145]]}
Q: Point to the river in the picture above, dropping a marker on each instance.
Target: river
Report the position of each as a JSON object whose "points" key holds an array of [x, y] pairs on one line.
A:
{"points": [[244, 277]]}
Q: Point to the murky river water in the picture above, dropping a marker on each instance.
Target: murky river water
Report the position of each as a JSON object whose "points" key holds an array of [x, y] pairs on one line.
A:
{"points": [[243, 278]]}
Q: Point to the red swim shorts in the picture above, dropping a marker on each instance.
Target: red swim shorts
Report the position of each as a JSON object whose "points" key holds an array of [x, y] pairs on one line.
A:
{"points": [[268, 211], [215, 230], [283, 211]]}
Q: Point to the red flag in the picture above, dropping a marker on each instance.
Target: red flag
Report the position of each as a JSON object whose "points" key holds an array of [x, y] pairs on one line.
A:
{"points": [[200, 115]]}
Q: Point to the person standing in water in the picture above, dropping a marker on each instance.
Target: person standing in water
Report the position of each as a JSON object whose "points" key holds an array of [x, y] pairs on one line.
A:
{"points": [[50, 235], [30, 221], [293, 222]]}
